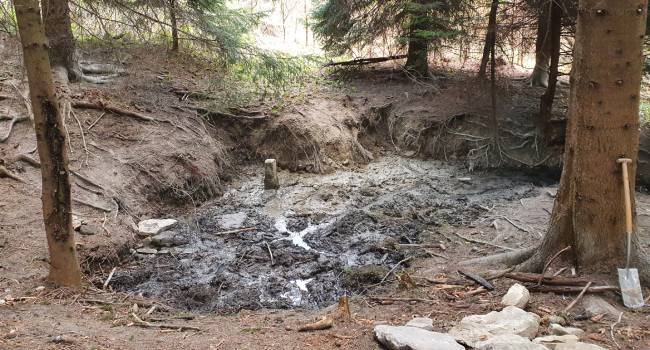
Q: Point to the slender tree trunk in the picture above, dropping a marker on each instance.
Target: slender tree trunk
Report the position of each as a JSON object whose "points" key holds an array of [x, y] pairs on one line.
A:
{"points": [[174, 24], [554, 37], [490, 38], [306, 23], [603, 125], [543, 44], [52, 147], [417, 60], [62, 50]]}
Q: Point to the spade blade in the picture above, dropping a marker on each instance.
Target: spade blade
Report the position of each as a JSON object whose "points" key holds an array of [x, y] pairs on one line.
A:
{"points": [[628, 279]]}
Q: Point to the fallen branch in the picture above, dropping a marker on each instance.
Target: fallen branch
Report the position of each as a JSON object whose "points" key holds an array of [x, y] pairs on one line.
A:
{"points": [[103, 106], [13, 121], [108, 279], [572, 289], [474, 240], [141, 323], [575, 301], [393, 269], [324, 323], [362, 61], [508, 258], [478, 279], [548, 280], [421, 300]]}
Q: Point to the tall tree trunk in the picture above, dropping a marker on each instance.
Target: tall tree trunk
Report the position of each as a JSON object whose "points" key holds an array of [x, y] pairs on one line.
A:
{"points": [[52, 147], [174, 24], [62, 50], [306, 3], [417, 60], [554, 37], [543, 44], [603, 125], [490, 38]]}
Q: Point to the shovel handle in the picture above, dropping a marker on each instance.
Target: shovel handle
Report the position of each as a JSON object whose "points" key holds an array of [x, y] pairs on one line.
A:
{"points": [[626, 192]]}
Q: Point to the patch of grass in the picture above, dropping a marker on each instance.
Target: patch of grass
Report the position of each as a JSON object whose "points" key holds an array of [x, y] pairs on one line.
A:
{"points": [[644, 111]]}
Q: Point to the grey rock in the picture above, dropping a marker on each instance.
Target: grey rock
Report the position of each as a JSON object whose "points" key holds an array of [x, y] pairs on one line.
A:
{"points": [[232, 221], [155, 226], [557, 319], [508, 342], [517, 296], [89, 229], [553, 341], [421, 322], [556, 329], [511, 320], [168, 239], [412, 338], [579, 346], [595, 305]]}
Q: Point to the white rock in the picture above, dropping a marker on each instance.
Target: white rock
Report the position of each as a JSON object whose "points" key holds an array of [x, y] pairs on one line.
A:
{"points": [[412, 338], [579, 346], [508, 342], [517, 296], [553, 341], [556, 329], [511, 320], [596, 305], [421, 322], [155, 226]]}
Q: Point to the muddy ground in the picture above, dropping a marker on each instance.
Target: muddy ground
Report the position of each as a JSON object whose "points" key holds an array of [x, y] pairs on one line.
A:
{"points": [[360, 196]]}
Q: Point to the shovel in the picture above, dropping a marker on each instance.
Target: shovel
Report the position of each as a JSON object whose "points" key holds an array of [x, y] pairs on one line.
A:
{"points": [[628, 278]]}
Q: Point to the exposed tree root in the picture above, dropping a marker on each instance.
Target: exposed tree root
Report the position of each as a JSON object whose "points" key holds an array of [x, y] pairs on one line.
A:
{"points": [[6, 173], [510, 258], [13, 121], [106, 107]]}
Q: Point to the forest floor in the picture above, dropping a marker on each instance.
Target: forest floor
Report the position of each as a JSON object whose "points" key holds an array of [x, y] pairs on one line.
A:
{"points": [[363, 209]]}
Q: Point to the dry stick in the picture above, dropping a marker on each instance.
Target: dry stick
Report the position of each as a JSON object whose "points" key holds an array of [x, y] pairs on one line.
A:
{"points": [[142, 323], [270, 253], [611, 329], [324, 323], [547, 280], [102, 106], [236, 231], [549, 262], [515, 225], [83, 136], [473, 240], [575, 301], [96, 121], [108, 279], [376, 298], [572, 289], [393, 269], [99, 193]]}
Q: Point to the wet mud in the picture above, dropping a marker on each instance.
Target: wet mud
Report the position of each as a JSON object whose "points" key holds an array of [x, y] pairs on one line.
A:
{"points": [[316, 238]]}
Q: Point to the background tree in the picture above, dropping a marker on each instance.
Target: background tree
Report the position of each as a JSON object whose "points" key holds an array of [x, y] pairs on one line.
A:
{"points": [[603, 125], [58, 29], [51, 144]]}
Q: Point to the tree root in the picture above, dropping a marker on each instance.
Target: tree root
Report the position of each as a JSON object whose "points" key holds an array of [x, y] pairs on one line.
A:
{"points": [[509, 258], [13, 121], [6, 173], [106, 107]]}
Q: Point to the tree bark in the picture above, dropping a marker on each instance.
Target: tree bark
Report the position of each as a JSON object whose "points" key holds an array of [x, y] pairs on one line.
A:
{"points": [[554, 37], [603, 125], [52, 147], [62, 49], [174, 24], [417, 57], [543, 44], [490, 39]]}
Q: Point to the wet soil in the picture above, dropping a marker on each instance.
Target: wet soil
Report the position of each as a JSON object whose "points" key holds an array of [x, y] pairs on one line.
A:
{"points": [[318, 237]]}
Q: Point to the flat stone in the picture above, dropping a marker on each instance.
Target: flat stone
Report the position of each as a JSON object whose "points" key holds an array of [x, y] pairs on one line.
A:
{"points": [[508, 342], [595, 305], [232, 221], [168, 239], [553, 341], [421, 322], [155, 226], [579, 346], [89, 229], [556, 329], [412, 338], [511, 320], [517, 296]]}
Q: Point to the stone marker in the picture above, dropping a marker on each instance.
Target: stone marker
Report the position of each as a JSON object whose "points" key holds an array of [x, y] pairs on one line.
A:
{"points": [[556, 329], [412, 338], [509, 342], [271, 181], [421, 322], [154, 226], [517, 296], [511, 320]]}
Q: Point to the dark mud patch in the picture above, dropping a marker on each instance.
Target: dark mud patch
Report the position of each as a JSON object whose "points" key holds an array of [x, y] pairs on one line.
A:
{"points": [[315, 239]]}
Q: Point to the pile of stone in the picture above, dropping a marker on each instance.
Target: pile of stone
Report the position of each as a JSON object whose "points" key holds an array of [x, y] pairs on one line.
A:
{"points": [[512, 328]]}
